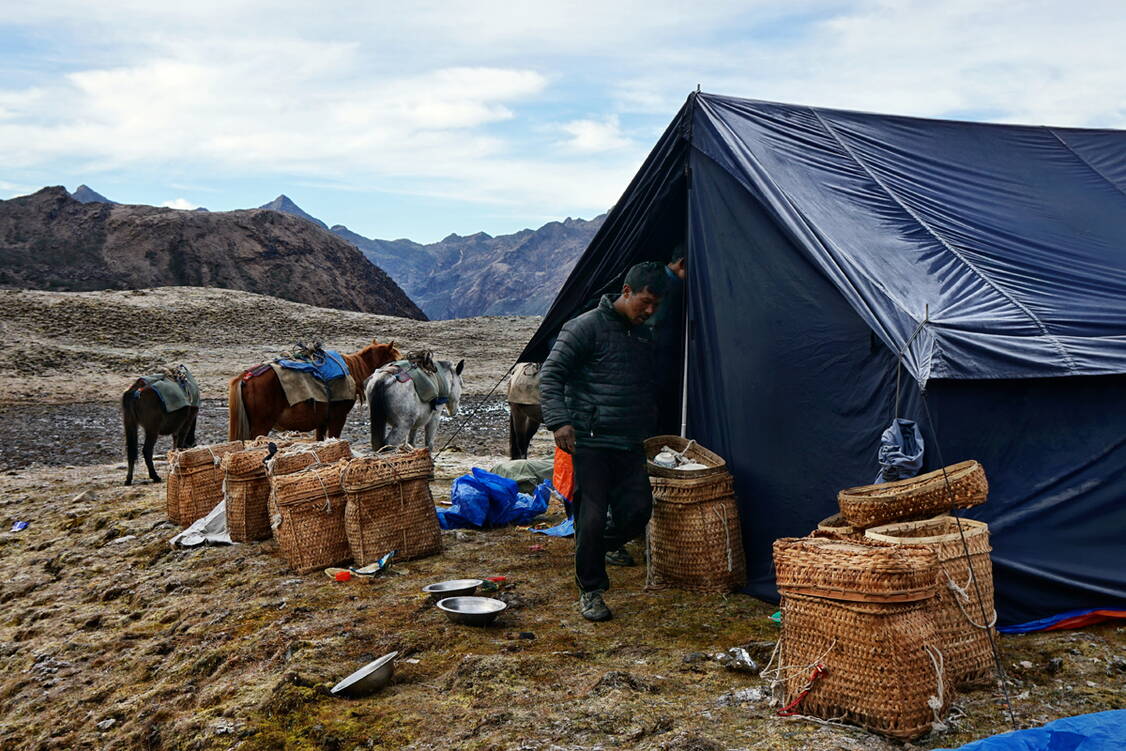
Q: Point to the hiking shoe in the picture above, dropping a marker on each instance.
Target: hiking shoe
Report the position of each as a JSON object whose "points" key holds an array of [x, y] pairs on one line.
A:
{"points": [[620, 557], [593, 608]]}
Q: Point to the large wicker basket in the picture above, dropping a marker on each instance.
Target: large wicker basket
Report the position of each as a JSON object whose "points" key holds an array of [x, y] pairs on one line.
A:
{"points": [[858, 613], [960, 485], [307, 516], [390, 506], [195, 481], [695, 541], [881, 668], [714, 462], [853, 568], [246, 489], [963, 628]]}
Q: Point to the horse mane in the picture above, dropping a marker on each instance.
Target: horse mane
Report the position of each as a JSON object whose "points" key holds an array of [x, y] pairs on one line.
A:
{"points": [[359, 366]]}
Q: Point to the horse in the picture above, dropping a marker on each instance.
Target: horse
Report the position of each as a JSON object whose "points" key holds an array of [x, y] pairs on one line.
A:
{"points": [[396, 403], [524, 413], [256, 403], [141, 406]]}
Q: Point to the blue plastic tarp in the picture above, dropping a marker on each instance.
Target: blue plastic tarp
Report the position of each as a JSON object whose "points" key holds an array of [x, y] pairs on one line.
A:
{"points": [[484, 499], [1101, 731], [817, 241]]}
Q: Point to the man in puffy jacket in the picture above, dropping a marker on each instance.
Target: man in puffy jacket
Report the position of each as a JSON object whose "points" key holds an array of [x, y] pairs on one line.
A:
{"points": [[598, 396]]}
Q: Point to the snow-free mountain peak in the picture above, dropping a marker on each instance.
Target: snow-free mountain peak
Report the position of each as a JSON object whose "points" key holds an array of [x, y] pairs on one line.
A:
{"points": [[285, 205]]}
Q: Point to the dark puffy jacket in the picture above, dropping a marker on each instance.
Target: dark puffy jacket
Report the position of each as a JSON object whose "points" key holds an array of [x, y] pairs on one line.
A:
{"points": [[600, 377]]}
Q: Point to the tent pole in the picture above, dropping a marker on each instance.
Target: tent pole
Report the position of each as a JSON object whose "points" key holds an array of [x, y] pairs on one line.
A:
{"points": [[684, 379]]}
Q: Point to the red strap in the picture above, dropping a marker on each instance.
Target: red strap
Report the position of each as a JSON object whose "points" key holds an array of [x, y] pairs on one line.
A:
{"points": [[790, 709]]}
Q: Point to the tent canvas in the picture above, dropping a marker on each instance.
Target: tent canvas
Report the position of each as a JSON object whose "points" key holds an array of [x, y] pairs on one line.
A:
{"points": [[819, 242]]}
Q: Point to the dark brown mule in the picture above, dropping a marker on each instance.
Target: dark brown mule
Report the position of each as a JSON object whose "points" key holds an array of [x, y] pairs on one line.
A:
{"points": [[257, 403], [140, 406]]}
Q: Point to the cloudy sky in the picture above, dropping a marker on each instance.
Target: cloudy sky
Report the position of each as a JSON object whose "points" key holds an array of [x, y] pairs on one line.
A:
{"points": [[424, 118]]}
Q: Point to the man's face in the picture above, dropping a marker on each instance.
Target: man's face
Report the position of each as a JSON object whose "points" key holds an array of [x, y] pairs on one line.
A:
{"points": [[638, 306]]}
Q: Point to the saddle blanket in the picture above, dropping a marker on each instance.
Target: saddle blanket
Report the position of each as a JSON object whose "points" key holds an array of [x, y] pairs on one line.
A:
{"points": [[300, 386], [430, 387], [174, 393], [327, 368]]}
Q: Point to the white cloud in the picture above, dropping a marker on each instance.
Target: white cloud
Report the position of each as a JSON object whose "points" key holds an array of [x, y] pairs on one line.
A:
{"points": [[519, 105], [594, 136], [182, 204]]}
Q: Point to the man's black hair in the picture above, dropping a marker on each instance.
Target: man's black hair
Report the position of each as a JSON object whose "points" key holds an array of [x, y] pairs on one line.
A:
{"points": [[651, 275]]}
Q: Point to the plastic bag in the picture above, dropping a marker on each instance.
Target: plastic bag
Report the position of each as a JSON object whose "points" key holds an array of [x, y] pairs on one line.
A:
{"points": [[901, 451]]}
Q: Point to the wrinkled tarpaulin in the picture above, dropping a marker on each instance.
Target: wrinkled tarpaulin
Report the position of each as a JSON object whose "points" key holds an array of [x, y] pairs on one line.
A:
{"points": [[818, 240]]}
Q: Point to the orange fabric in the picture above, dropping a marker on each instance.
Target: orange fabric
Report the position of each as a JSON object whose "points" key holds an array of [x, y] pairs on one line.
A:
{"points": [[563, 474], [1087, 619]]}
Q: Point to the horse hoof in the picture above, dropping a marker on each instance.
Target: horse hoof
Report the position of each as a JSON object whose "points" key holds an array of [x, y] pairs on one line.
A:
{"points": [[156, 479], [128, 482]]}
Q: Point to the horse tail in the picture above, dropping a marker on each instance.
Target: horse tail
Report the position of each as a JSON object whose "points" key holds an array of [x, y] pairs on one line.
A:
{"points": [[377, 409], [129, 418], [238, 426]]}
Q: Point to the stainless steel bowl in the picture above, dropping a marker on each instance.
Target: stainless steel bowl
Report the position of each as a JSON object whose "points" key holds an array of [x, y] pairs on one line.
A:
{"points": [[471, 611], [452, 588], [368, 679]]}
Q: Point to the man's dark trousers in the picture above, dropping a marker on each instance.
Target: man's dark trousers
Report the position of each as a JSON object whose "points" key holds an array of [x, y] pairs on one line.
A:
{"points": [[607, 479]]}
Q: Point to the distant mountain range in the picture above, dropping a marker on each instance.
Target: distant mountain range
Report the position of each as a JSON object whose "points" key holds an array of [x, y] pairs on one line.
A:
{"points": [[459, 277], [52, 240]]}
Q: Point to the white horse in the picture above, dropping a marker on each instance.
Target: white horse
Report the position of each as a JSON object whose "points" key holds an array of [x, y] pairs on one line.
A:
{"points": [[395, 404]]}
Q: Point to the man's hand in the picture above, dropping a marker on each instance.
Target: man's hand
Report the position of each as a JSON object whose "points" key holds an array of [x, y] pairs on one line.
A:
{"points": [[677, 267], [565, 439]]}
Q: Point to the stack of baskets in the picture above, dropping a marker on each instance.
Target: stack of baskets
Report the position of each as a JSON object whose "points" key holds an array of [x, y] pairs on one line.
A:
{"points": [[246, 483], [878, 522], [695, 541], [195, 481], [858, 640], [389, 506]]}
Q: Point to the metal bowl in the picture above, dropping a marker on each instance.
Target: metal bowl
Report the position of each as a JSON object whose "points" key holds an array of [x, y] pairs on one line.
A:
{"points": [[471, 611], [452, 588], [368, 679]]}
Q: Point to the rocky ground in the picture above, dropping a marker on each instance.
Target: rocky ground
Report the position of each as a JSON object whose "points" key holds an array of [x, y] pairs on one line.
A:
{"points": [[110, 639]]}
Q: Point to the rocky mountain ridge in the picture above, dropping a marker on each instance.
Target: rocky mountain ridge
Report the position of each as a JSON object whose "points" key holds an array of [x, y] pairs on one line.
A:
{"points": [[51, 240], [460, 277], [466, 276]]}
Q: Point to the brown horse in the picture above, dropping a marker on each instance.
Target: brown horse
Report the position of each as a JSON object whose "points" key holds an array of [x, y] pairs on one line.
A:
{"points": [[257, 403]]}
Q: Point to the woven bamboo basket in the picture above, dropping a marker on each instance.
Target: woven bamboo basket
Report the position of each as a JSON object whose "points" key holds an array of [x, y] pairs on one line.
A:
{"points": [[962, 626], [390, 506], [195, 482], [307, 517], [836, 524], [881, 668], [695, 541], [301, 455], [825, 564], [246, 489], [692, 450], [916, 497]]}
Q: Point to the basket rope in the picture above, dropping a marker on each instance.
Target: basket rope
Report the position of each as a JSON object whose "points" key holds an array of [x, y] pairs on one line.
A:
{"points": [[962, 596], [777, 675], [936, 702], [726, 535]]}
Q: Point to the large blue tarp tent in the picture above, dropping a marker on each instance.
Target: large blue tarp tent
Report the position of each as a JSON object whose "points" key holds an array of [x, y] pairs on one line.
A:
{"points": [[819, 243]]}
